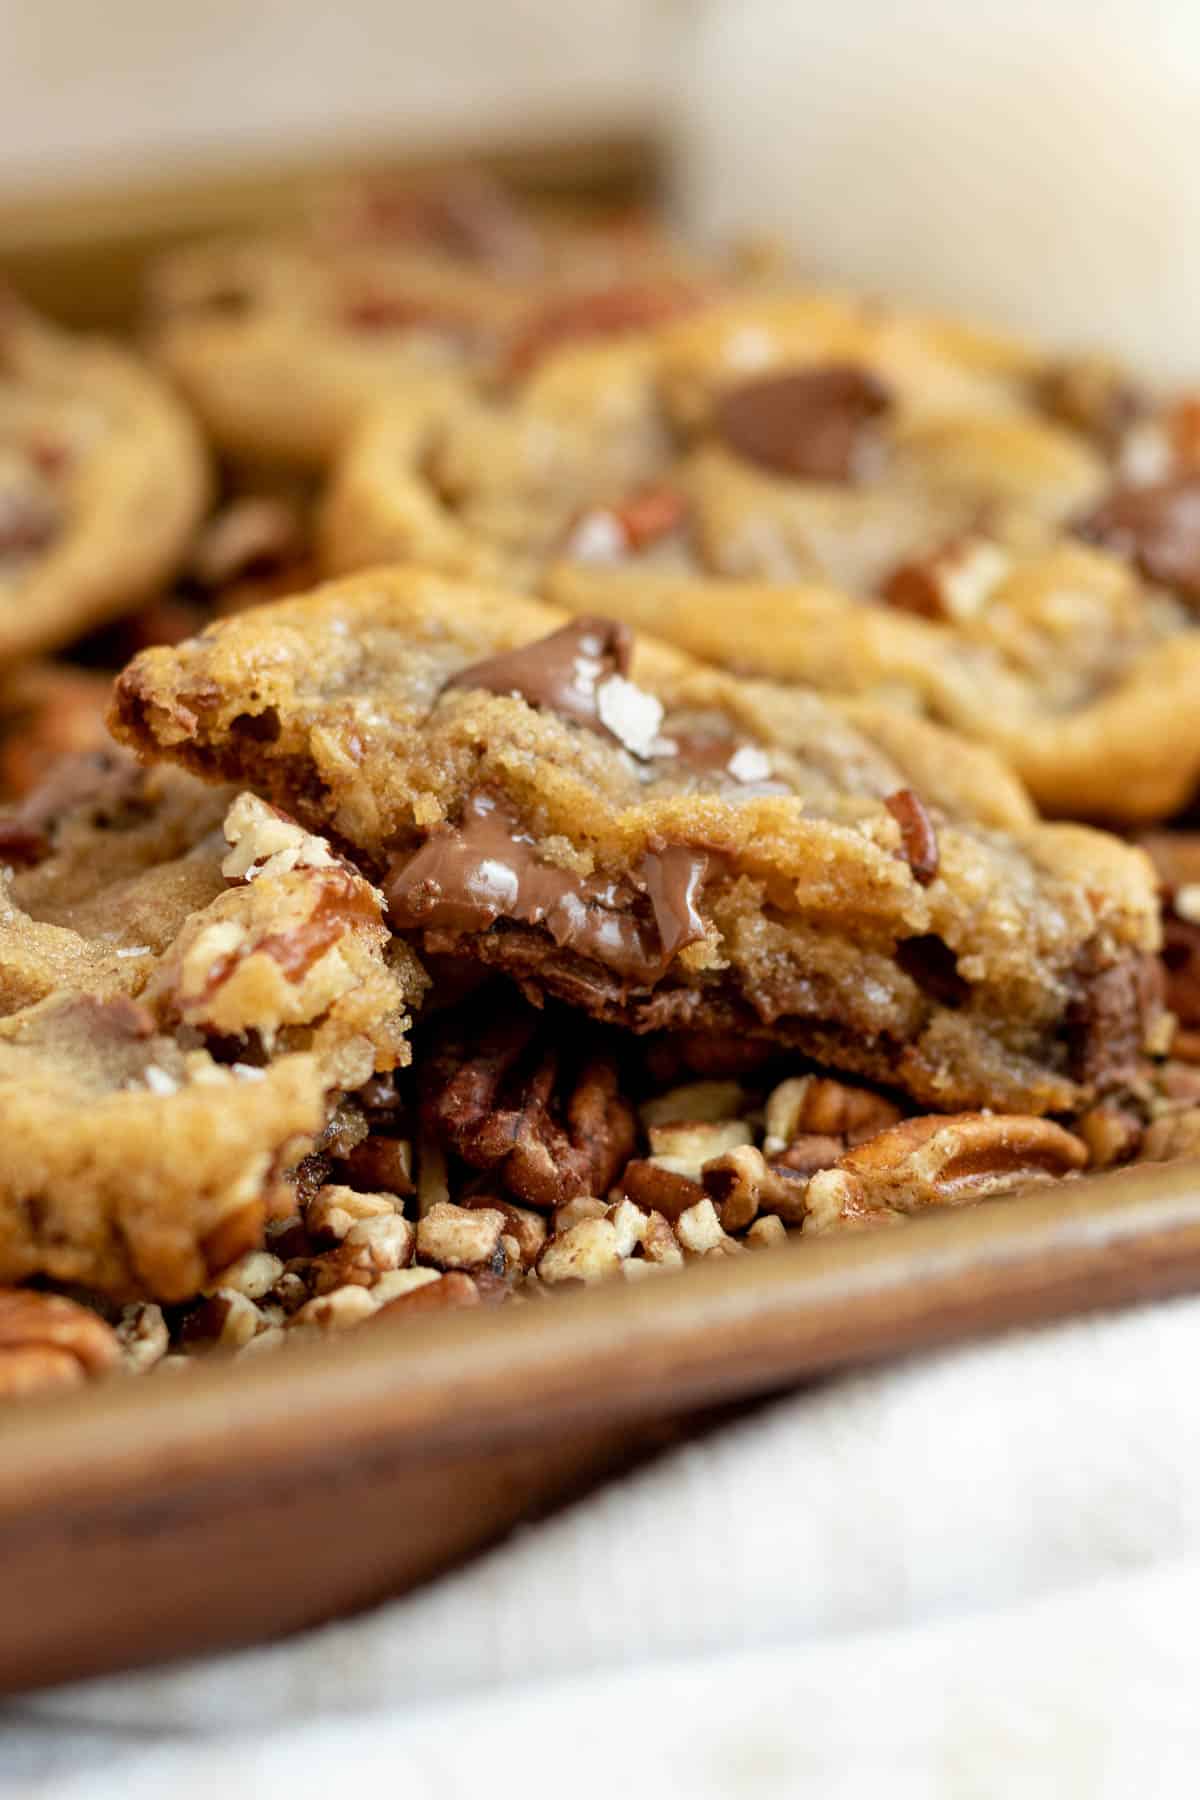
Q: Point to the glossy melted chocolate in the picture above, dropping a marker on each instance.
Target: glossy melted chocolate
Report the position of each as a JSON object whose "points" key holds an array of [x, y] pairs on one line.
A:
{"points": [[466, 877], [561, 672]]}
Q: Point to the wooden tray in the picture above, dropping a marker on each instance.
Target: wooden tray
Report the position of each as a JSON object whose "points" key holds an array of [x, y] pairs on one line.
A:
{"points": [[156, 1516]]}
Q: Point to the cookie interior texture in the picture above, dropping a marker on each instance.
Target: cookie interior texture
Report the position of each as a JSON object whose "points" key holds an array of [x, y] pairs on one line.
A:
{"points": [[183, 1008], [702, 853]]}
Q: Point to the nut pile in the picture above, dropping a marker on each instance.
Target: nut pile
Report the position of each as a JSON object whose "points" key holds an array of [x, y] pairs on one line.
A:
{"points": [[523, 1159]]}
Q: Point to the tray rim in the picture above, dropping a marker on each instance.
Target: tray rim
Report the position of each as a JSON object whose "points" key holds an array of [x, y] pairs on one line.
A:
{"points": [[711, 1333]]}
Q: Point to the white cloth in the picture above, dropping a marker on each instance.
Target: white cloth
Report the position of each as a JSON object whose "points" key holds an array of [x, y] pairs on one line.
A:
{"points": [[971, 1574]]}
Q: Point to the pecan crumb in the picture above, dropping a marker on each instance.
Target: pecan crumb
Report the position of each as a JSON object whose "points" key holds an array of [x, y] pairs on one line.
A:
{"points": [[917, 835]]}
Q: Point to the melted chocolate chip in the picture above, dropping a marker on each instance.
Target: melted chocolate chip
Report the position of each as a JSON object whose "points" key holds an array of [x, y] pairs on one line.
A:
{"points": [[674, 877], [1157, 528], [815, 423], [917, 836], [464, 878], [736, 763], [561, 672]]}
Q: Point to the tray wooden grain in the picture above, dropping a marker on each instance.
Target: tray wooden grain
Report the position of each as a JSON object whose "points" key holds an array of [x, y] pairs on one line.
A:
{"points": [[152, 1517]]}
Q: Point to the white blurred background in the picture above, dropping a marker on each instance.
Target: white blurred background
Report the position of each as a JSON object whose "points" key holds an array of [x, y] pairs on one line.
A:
{"points": [[98, 88], [1029, 161]]}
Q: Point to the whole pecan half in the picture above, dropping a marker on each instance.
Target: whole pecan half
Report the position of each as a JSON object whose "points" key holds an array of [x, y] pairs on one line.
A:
{"points": [[545, 1118], [48, 1341], [946, 1161]]}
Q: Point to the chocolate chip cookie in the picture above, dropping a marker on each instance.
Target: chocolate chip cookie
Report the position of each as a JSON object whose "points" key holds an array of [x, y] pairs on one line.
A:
{"points": [[811, 488], [281, 343], [666, 847], [102, 479], [189, 984]]}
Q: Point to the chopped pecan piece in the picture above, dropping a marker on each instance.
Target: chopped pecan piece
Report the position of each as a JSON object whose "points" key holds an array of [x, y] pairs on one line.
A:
{"points": [[460, 1237], [1111, 1132], [703, 1101], [699, 1228], [742, 1184], [811, 1151], [953, 583], [142, 1334], [605, 533], [838, 1200], [651, 1184], [382, 1164], [445, 1293], [687, 1147], [819, 1105], [338, 1310], [372, 1247], [587, 1252], [917, 836]]}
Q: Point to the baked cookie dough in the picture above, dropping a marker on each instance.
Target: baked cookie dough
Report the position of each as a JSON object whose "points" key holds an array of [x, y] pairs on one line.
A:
{"points": [[103, 478], [667, 847], [281, 343], [813, 489], [188, 986]]}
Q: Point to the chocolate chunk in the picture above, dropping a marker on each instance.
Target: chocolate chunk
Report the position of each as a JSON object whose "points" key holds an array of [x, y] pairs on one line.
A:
{"points": [[561, 672], [813, 423], [1157, 527], [917, 836], [465, 878]]}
